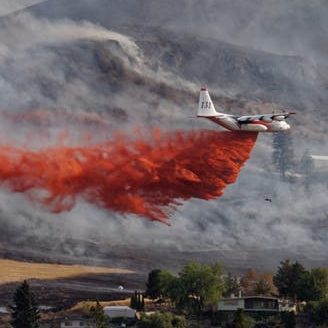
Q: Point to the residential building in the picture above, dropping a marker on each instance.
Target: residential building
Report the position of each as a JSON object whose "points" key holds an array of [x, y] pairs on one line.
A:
{"points": [[249, 304], [69, 322]]}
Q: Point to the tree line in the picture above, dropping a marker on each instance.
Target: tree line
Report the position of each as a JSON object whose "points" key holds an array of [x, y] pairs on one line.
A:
{"points": [[199, 287]]}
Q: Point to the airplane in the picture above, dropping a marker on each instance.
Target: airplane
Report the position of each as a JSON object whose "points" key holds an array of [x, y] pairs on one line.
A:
{"points": [[251, 123]]}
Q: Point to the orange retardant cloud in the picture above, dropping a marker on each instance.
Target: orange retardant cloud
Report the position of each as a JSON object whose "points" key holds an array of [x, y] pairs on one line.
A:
{"points": [[144, 176]]}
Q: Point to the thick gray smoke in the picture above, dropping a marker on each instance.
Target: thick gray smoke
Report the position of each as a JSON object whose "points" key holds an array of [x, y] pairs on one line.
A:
{"points": [[9, 6], [283, 27], [87, 78]]}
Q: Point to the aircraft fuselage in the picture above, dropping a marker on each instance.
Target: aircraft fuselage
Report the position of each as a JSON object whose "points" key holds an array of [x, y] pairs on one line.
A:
{"points": [[231, 123]]}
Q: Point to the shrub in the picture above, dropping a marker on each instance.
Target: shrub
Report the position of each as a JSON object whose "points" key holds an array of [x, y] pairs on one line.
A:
{"points": [[162, 320]]}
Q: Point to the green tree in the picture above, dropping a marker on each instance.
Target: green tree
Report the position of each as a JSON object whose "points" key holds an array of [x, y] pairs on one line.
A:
{"points": [[153, 284], [283, 154], [288, 319], [287, 278], [24, 313], [162, 320], [241, 320], [319, 312], [203, 285], [96, 312], [175, 292], [137, 301], [133, 301], [159, 283], [179, 321], [196, 287], [313, 285], [231, 285], [168, 284]]}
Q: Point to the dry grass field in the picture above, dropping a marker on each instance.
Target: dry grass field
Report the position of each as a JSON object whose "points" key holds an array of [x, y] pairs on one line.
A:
{"points": [[15, 271], [85, 305]]}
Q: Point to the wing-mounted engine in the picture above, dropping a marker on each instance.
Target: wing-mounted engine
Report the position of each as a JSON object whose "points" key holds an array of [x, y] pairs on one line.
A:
{"points": [[253, 127]]}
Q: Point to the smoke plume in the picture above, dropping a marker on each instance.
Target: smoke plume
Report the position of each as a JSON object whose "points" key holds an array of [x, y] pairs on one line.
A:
{"points": [[130, 176], [92, 66]]}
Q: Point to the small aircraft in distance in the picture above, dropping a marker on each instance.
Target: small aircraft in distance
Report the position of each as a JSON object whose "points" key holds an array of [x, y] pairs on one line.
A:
{"points": [[251, 123]]}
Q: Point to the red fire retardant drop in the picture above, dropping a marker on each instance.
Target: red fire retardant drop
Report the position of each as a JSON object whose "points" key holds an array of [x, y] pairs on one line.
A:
{"points": [[144, 176]]}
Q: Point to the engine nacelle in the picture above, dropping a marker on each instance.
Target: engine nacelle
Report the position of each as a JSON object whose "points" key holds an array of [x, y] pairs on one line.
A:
{"points": [[266, 119], [253, 127], [279, 118], [279, 126]]}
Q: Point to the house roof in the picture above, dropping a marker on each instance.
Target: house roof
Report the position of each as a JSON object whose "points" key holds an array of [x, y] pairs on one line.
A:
{"points": [[118, 307], [249, 297]]}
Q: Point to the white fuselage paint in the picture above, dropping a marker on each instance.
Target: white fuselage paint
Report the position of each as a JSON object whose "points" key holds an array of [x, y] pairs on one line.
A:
{"points": [[230, 122]]}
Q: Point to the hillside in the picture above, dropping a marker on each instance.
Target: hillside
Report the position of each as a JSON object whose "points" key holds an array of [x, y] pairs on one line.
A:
{"points": [[63, 73], [59, 285], [14, 271], [187, 42]]}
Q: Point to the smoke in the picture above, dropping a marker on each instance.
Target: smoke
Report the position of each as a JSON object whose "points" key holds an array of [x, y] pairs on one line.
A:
{"points": [[24, 31], [10, 6], [81, 69], [65, 77], [37, 63], [130, 176], [293, 27]]}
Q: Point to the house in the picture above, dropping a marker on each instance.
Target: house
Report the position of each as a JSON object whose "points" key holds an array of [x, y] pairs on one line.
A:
{"points": [[123, 312], [249, 304], [74, 321], [77, 322], [286, 305]]}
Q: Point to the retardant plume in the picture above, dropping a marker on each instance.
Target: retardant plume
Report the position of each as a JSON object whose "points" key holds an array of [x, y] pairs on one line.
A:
{"points": [[144, 176]]}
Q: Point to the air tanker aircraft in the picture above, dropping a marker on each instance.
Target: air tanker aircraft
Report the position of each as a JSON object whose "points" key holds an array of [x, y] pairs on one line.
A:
{"points": [[258, 123]]}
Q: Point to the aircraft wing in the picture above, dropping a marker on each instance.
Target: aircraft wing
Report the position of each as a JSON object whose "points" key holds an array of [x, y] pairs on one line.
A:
{"points": [[275, 116]]}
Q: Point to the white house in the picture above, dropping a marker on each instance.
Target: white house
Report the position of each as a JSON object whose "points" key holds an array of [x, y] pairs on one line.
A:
{"points": [[77, 322], [120, 312], [250, 304]]}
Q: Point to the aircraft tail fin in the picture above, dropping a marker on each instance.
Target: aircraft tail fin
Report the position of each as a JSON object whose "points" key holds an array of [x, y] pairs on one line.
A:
{"points": [[205, 105]]}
